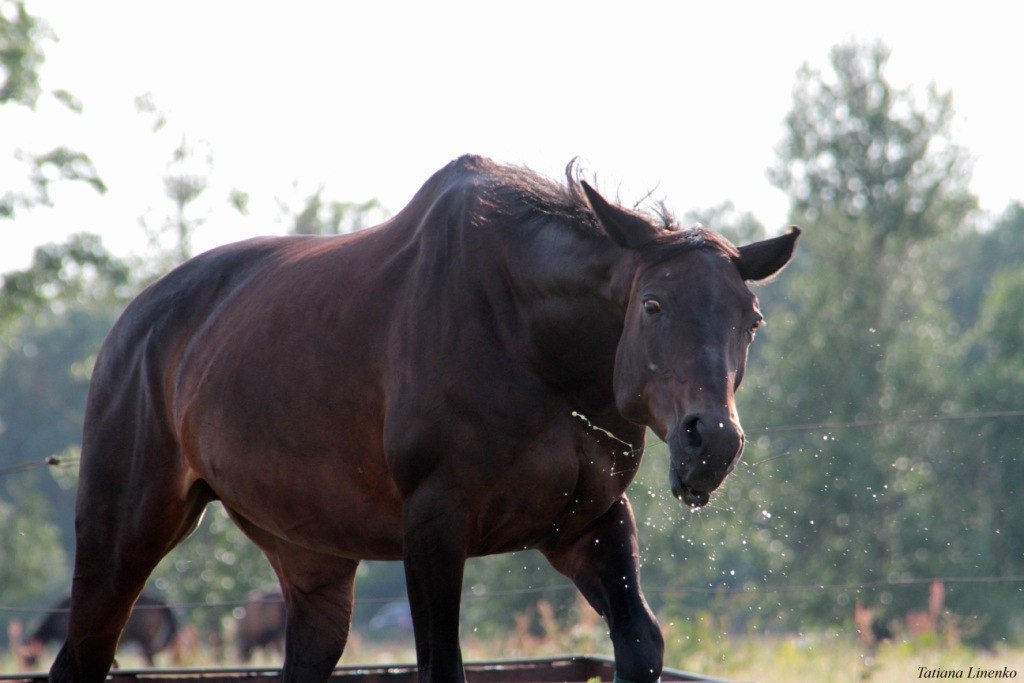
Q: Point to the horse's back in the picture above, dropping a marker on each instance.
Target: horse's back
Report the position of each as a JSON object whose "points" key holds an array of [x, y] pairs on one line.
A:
{"points": [[166, 311], [258, 368]]}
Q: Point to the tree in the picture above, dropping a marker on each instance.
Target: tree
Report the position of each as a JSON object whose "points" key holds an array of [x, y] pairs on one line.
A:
{"points": [[21, 53], [32, 561], [213, 570], [317, 216], [976, 256], [80, 270], [185, 182], [53, 317], [22, 38], [856, 146], [739, 227], [855, 333], [985, 472]]}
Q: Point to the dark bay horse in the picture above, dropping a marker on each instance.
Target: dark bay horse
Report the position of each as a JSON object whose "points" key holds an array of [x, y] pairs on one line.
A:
{"points": [[471, 377], [152, 626], [262, 624]]}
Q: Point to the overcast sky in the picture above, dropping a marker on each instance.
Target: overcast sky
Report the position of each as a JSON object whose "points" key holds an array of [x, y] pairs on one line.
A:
{"points": [[368, 99]]}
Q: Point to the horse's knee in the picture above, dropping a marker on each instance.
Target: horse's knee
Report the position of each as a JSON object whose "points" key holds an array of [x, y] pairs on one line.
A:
{"points": [[639, 651]]}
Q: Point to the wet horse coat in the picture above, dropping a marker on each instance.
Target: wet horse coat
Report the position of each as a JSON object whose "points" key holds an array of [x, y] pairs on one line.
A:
{"points": [[471, 377]]}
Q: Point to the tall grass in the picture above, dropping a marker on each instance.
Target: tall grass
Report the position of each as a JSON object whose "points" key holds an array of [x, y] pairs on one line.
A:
{"points": [[702, 643]]}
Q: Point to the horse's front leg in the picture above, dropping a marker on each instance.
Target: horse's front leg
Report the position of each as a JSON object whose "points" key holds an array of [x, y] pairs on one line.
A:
{"points": [[604, 565], [435, 557]]}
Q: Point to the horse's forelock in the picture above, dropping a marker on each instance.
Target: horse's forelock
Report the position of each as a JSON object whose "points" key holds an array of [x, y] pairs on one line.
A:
{"points": [[676, 243]]}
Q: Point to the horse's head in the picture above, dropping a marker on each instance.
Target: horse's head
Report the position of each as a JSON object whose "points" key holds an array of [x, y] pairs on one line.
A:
{"points": [[689, 321]]}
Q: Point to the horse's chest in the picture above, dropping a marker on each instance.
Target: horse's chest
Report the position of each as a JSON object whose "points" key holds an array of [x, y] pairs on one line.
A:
{"points": [[556, 484]]}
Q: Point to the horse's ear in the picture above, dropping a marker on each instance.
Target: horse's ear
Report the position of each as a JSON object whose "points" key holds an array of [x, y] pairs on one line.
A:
{"points": [[761, 260], [627, 229]]}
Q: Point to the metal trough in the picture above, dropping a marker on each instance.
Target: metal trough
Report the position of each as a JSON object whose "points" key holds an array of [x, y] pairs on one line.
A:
{"points": [[576, 668]]}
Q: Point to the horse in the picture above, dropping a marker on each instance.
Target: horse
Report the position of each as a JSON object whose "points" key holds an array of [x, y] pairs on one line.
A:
{"points": [[473, 376], [262, 624], [151, 626]]}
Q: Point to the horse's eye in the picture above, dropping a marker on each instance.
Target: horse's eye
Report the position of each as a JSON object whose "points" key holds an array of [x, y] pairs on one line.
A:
{"points": [[652, 306]]}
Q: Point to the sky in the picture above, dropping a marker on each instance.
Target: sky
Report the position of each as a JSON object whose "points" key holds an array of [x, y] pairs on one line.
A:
{"points": [[368, 99]]}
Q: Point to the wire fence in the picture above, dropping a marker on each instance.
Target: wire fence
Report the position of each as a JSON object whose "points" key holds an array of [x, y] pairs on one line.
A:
{"points": [[669, 591], [710, 589], [893, 421], [54, 461]]}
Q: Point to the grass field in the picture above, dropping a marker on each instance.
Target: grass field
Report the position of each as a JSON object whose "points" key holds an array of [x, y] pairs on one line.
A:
{"points": [[807, 658], [794, 659]]}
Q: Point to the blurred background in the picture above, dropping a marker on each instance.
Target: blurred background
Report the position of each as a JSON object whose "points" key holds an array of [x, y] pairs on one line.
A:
{"points": [[876, 524]]}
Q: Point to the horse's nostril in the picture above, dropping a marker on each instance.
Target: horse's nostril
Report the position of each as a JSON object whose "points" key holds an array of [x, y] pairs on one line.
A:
{"points": [[692, 439]]}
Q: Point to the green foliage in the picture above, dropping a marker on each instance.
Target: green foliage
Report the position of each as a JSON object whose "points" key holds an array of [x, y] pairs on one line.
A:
{"points": [[317, 216], [858, 146], [997, 337], [64, 164], [21, 53], [32, 560], [862, 329], [43, 170], [739, 227], [22, 37], [500, 588], [68, 100], [53, 317], [893, 307], [985, 472], [45, 363], [185, 181], [240, 200], [79, 271], [986, 252], [213, 570]]}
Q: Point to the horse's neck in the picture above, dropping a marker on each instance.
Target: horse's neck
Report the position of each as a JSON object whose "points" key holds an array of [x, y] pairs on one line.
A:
{"points": [[563, 285]]}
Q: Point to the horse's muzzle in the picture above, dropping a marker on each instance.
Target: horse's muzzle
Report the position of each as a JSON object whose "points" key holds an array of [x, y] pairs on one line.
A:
{"points": [[704, 450]]}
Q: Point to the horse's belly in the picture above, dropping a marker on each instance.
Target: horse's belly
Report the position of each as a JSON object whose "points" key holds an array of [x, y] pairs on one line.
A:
{"points": [[327, 486], [333, 496], [326, 515], [336, 516]]}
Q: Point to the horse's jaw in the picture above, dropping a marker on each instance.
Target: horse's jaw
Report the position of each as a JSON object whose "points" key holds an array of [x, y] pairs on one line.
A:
{"points": [[686, 494]]}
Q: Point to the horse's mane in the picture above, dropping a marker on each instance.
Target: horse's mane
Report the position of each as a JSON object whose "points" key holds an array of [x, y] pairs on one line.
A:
{"points": [[522, 194], [527, 198]]}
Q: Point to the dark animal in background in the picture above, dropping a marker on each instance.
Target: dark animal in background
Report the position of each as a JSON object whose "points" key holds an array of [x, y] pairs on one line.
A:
{"points": [[472, 377], [875, 624], [871, 627], [151, 626], [262, 623]]}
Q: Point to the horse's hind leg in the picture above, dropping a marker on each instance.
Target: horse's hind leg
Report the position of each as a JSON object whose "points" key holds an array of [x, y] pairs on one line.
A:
{"points": [[318, 590], [134, 505]]}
